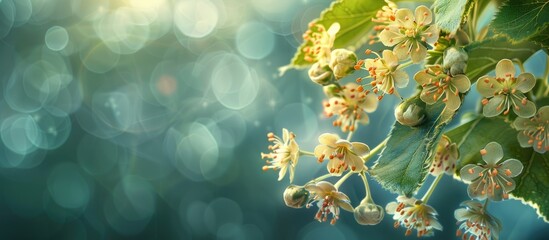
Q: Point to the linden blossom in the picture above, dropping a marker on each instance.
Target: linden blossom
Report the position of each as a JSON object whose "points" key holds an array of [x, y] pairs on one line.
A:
{"points": [[414, 214], [284, 155], [506, 90], [437, 84], [533, 131], [342, 153], [385, 73], [477, 223], [328, 199]]}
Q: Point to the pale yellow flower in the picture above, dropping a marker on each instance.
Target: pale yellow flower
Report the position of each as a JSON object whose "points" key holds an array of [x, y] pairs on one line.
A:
{"points": [[328, 199], [533, 132], [319, 43], [350, 106], [341, 153], [438, 85], [385, 74], [411, 214], [477, 223], [284, 155]]}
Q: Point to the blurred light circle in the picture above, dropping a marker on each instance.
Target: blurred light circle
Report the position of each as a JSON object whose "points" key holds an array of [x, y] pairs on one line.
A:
{"points": [[97, 156], [23, 11], [193, 214], [222, 211], [57, 38], [89, 122], [119, 222], [114, 108], [53, 131], [89, 10], [195, 18], [255, 40], [277, 10], [298, 118], [7, 17], [134, 198], [68, 187], [232, 127], [18, 133], [99, 58], [233, 84]]}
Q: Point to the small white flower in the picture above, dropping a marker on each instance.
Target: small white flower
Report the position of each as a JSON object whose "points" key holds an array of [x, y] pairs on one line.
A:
{"points": [[350, 106], [477, 223], [410, 33], [341, 153], [411, 214], [284, 155], [385, 74], [438, 85], [533, 131], [328, 199]]}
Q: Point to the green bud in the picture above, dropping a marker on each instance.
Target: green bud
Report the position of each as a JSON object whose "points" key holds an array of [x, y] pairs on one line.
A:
{"points": [[410, 114], [296, 196], [320, 74], [455, 61], [368, 213], [342, 62]]}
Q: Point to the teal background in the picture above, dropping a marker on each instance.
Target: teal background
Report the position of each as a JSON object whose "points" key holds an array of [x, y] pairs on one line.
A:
{"points": [[136, 119]]}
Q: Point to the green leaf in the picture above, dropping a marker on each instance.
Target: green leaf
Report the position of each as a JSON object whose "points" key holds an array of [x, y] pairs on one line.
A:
{"points": [[448, 14], [484, 55], [542, 38], [522, 19], [402, 166], [533, 183]]}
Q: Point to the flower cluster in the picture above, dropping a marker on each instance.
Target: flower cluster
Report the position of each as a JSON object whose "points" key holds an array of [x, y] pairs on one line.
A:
{"points": [[492, 180], [350, 106], [284, 155], [506, 92], [476, 222], [411, 214]]}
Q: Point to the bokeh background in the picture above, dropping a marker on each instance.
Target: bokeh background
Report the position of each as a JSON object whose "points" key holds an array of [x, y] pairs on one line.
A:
{"points": [[142, 119]]}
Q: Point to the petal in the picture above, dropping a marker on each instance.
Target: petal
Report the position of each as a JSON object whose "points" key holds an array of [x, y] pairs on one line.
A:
{"points": [[390, 59], [422, 77], [453, 102], [344, 143], [354, 162], [462, 83], [292, 174], [322, 149], [491, 109], [285, 135], [523, 123], [405, 18], [523, 140], [544, 113], [345, 205], [334, 28], [391, 207], [328, 139], [427, 97], [390, 36], [431, 34], [461, 214], [487, 86], [369, 104], [401, 50], [423, 15], [401, 78], [340, 196], [506, 183], [511, 167], [333, 166], [492, 153], [360, 149], [497, 194], [326, 187], [525, 82], [282, 172], [470, 172], [418, 52], [476, 188], [505, 67], [436, 224], [525, 110]]}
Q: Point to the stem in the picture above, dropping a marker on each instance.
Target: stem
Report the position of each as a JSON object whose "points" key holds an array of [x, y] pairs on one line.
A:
{"points": [[305, 153], [376, 150], [368, 196], [546, 76], [342, 179], [431, 189], [404, 65], [520, 64], [350, 135], [486, 203], [474, 21]]}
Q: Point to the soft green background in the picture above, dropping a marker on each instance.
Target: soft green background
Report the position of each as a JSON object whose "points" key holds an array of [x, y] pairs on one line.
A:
{"points": [[141, 119]]}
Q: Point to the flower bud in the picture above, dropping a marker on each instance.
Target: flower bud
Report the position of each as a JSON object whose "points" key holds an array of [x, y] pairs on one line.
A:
{"points": [[368, 213], [296, 196], [342, 62], [455, 60], [331, 90], [320, 74], [410, 114]]}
